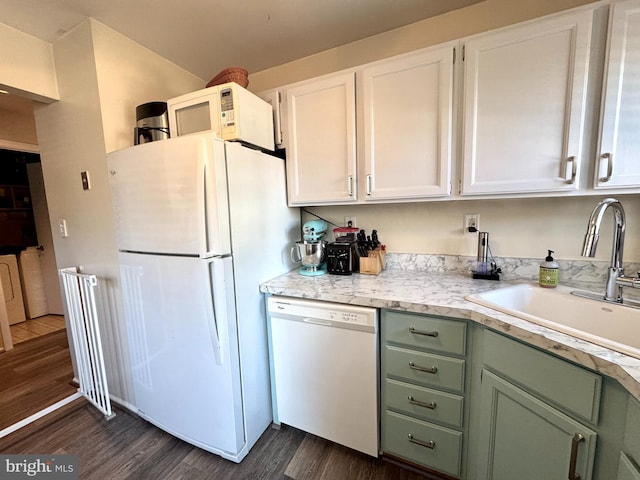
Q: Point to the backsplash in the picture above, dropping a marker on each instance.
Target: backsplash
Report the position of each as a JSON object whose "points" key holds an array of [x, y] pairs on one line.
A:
{"points": [[571, 271]]}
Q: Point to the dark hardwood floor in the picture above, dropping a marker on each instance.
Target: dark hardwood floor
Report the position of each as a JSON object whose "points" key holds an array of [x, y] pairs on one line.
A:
{"points": [[35, 374], [127, 447]]}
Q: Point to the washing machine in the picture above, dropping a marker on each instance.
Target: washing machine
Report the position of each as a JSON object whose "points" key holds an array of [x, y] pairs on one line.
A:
{"points": [[10, 282]]}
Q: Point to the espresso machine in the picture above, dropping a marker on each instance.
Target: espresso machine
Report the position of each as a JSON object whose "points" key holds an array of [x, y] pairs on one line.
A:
{"points": [[311, 251]]}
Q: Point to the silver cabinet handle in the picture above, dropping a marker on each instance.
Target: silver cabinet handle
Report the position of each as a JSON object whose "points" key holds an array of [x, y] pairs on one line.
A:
{"points": [[609, 158], [369, 184], [430, 444], [571, 174], [577, 438], [350, 185], [421, 332], [418, 403], [413, 366]]}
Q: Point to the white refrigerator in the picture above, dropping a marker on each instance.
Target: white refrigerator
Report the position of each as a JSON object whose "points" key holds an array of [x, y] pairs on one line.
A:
{"points": [[200, 224]]}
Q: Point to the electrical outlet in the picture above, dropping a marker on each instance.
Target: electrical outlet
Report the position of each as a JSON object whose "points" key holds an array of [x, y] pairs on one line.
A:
{"points": [[471, 221], [350, 222]]}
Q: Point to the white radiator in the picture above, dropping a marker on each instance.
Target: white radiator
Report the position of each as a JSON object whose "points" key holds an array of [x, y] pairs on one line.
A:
{"points": [[83, 320]]}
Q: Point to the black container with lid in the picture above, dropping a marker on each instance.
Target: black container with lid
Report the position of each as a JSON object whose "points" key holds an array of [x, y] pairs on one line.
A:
{"points": [[152, 122]]}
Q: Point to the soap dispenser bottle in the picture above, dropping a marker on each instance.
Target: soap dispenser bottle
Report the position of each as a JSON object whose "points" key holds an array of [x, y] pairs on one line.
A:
{"points": [[549, 272]]}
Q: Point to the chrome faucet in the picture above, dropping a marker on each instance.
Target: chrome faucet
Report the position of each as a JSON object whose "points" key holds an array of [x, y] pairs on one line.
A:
{"points": [[615, 273]]}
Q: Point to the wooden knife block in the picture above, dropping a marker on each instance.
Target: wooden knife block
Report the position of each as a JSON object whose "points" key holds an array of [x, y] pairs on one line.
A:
{"points": [[374, 263]]}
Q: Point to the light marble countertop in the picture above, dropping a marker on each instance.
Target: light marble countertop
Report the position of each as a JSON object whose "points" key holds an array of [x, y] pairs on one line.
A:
{"points": [[443, 293]]}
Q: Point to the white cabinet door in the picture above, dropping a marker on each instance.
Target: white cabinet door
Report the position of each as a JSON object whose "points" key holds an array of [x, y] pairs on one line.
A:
{"points": [[321, 146], [618, 165], [407, 126], [524, 105]]}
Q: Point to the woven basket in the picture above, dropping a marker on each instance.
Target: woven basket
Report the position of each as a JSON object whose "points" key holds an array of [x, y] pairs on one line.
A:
{"points": [[231, 74]]}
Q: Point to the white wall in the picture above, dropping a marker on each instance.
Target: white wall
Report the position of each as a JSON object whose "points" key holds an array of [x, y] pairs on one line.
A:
{"points": [[26, 65], [522, 228], [102, 77]]}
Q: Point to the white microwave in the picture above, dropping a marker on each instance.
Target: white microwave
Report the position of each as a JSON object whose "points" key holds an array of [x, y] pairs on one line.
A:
{"points": [[230, 111]]}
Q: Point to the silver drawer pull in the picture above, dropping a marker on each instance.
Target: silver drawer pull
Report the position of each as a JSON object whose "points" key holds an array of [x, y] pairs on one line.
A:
{"points": [[430, 405], [420, 332], [430, 444], [413, 366]]}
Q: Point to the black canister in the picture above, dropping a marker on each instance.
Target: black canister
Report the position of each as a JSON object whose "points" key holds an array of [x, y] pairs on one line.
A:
{"points": [[152, 122]]}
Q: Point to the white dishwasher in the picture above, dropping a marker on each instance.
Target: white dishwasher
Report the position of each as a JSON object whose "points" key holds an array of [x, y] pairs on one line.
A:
{"points": [[325, 370]]}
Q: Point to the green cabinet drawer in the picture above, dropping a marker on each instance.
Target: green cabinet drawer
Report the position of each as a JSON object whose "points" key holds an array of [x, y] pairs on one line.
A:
{"points": [[424, 403], [632, 432], [424, 332], [423, 368], [421, 442], [567, 385], [626, 469]]}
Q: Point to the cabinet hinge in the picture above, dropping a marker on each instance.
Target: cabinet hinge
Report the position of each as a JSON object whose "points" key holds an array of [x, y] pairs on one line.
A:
{"points": [[481, 374], [454, 55], [459, 186], [463, 52]]}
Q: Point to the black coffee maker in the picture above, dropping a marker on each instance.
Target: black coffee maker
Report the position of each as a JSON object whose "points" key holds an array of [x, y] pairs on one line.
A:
{"points": [[152, 123]]}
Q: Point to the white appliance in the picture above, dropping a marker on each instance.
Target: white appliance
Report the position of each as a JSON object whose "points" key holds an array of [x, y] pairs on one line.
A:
{"points": [[10, 283], [325, 370], [32, 281], [200, 224], [230, 111]]}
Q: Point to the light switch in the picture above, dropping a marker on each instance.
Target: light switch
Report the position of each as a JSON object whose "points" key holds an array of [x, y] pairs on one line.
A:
{"points": [[62, 225], [85, 180]]}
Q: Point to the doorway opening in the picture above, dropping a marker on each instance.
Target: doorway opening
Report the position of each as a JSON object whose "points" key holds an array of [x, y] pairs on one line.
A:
{"points": [[31, 289]]}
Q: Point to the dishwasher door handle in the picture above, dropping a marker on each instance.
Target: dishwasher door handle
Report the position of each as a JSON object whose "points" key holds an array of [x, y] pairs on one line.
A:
{"points": [[315, 321]]}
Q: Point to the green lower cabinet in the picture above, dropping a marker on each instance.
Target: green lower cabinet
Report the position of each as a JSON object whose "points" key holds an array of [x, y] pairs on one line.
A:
{"points": [[627, 470], [422, 442], [525, 438]]}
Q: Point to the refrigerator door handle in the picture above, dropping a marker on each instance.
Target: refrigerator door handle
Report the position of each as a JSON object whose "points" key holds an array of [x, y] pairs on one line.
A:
{"points": [[217, 307], [203, 234]]}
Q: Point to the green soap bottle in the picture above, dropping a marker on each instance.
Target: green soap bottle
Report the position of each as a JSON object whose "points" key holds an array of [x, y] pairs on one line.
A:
{"points": [[549, 272]]}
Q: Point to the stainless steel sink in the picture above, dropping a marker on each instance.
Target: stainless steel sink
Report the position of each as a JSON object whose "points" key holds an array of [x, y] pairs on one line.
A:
{"points": [[611, 325]]}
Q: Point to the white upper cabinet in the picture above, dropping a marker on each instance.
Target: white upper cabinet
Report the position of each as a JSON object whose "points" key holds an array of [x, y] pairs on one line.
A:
{"points": [[321, 141], [524, 106], [618, 165], [407, 107]]}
